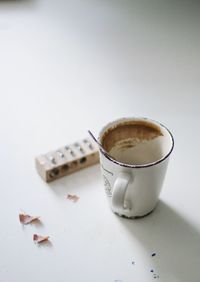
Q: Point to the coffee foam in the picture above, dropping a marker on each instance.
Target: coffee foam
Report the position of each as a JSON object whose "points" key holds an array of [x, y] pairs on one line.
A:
{"points": [[128, 134]]}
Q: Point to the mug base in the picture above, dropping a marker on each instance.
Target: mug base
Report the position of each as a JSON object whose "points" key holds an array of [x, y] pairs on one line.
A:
{"points": [[135, 216]]}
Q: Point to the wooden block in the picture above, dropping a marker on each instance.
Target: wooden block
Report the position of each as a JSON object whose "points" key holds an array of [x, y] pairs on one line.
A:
{"points": [[67, 159]]}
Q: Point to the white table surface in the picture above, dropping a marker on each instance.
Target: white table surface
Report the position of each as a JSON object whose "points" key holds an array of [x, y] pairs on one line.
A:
{"points": [[66, 66]]}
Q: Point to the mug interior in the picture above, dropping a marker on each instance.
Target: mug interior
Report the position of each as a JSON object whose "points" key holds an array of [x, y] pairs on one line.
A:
{"points": [[136, 141]]}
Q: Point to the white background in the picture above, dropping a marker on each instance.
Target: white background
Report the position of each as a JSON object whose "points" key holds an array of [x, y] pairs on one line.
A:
{"points": [[66, 66]]}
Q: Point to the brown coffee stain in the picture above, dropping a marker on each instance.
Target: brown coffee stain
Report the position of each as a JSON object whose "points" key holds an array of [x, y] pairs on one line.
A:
{"points": [[129, 133]]}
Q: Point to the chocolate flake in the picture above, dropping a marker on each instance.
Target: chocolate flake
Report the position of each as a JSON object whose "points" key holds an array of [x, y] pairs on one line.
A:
{"points": [[39, 239], [26, 219], [72, 198]]}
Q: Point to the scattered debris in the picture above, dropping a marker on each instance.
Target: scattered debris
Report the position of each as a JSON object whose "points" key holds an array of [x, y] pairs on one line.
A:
{"points": [[153, 254], [39, 239], [26, 219], [133, 263], [72, 198], [155, 276], [151, 270]]}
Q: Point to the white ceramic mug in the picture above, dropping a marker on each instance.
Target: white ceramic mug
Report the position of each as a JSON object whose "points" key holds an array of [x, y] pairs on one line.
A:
{"points": [[134, 169]]}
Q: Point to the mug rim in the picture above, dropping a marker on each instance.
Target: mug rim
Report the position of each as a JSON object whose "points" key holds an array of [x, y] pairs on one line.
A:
{"points": [[135, 165]]}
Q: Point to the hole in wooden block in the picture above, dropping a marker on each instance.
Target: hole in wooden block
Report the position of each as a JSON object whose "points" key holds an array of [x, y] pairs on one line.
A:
{"points": [[73, 164], [65, 167], [83, 160], [54, 173]]}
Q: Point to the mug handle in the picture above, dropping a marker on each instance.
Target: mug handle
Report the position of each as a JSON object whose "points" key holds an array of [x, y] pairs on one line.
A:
{"points": [[118, 194]]}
